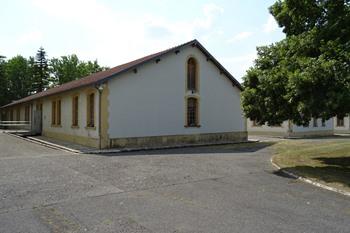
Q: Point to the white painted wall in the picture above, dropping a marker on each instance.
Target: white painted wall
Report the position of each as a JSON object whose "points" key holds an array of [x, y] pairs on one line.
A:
{"points": [[152, 101], [311, 128], [66, 115]]}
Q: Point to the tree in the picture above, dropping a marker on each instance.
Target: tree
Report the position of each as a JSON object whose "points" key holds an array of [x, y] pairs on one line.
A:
{"points": [[41, 71], [68, 68], [4, 95], [18, 76], [307, 74]]}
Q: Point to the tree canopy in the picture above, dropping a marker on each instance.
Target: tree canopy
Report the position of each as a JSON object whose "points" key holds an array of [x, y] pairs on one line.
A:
{"points": [[68, 68], [307, 74], [20, 77]]}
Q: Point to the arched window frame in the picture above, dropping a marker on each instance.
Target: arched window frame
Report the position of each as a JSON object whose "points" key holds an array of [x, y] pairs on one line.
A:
{"points": [[192, 82], [192, 112]]}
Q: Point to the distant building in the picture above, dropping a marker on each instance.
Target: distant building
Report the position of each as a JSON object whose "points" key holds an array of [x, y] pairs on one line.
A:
{"points": [[316, 127], [180, 95]]}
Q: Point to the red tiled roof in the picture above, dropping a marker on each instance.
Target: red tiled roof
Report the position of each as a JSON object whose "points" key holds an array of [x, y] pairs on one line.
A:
{"points": [[102, 76]]}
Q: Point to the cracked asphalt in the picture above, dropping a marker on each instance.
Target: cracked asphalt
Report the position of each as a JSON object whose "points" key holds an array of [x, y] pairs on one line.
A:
{"points": [[231, 188]]}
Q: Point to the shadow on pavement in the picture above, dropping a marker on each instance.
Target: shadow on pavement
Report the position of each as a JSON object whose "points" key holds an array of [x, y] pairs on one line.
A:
{"points": [[328, 174], [214, 149]]}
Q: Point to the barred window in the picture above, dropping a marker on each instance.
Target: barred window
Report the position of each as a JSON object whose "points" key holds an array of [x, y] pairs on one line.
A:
{"points": [[53, 113], [315, 124], [192, 112], [18, 115], [340, 122], [91, 110], [58, 112], [192, 74], [75, 111], [26, 112]]}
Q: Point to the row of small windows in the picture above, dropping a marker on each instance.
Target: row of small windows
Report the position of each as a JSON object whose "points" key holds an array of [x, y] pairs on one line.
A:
{"points": [[56, 111], [10, 115], [314, 123]]}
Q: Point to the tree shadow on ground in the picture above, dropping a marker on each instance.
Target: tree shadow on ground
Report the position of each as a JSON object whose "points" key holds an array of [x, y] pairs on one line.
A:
{"points": [[329, 174], [338, 161], [198, 150]]}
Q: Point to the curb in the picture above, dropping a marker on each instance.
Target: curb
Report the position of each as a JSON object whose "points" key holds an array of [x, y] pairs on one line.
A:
{"points": [[305, 180], [44, 143]]}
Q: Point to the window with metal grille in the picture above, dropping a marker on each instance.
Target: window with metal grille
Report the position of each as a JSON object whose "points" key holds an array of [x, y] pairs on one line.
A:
{"points": [[192, 112], [191, 74], [340, 122], [58, 112], [91, 110], [75, 111], [314, 122], [26, 113], [53, 113], [18, 115]]}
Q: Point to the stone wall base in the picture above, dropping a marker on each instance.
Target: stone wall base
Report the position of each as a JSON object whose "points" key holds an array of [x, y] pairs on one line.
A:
{"points": [[86, 141], [176, 140]]}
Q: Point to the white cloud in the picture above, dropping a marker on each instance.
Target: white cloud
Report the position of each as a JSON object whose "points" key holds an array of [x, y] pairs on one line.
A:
{"points": [[239, 64], [271, 25], [29, 37], [113, 36], [240, 36]]}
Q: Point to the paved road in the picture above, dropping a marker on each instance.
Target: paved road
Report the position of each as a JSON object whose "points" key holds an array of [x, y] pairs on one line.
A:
{"points": [[208, 189]]}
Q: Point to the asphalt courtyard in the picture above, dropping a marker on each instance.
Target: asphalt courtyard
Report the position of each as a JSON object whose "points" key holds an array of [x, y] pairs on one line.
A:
{"points": [[204, 189]]}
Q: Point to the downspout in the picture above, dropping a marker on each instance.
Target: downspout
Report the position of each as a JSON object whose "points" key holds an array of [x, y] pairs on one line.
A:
{"points": [[100, 90]]}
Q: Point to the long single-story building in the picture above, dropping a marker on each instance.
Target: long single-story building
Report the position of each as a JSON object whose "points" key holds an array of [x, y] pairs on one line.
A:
{"points": [[317, 127], [180, 95]]}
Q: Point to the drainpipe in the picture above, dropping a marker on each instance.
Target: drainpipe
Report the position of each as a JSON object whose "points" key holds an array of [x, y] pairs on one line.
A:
{"points": [[99, 88]]}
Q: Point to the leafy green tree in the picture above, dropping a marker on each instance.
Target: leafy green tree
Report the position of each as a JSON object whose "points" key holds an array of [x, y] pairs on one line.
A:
{"points": [[307, 74], [41, 71], [4, 92], [18, 76], [68, 68]]}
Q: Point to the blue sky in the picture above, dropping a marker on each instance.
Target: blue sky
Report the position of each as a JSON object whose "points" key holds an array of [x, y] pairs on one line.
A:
{"points": [[114, 32]]}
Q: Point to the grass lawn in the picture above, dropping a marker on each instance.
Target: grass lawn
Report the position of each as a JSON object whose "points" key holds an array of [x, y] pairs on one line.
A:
{"points": [[326, 160]]}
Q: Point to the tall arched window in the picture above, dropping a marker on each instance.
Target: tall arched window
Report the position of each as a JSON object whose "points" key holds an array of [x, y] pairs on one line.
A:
{"points": [[191, 74], [192, 112]]}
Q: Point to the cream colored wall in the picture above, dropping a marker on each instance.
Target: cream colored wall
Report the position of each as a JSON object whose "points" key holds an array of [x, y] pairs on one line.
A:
{"points": [[66, 115]]}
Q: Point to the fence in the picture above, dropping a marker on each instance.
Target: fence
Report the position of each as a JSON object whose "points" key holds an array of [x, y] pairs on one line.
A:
{"points": [[15, 125]]}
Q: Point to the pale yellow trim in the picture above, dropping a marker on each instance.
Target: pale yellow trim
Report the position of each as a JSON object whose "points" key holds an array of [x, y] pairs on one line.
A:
{"points": [[87, 141], [197, 75], [58, 111], [197, 97]]}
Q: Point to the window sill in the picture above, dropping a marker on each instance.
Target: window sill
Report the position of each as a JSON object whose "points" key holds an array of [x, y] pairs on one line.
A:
{"points": [[90, 127], [192, 126], [75, 127], [56, 126]]}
